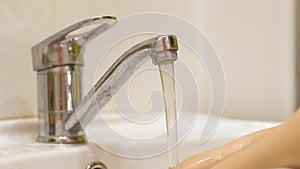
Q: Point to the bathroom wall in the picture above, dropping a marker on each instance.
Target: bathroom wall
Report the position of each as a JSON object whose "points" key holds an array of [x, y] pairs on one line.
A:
{"points": [[255, 41]]}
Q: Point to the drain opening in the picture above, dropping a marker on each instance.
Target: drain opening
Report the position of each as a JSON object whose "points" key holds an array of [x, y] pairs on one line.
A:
{"points": [[96, 165]]}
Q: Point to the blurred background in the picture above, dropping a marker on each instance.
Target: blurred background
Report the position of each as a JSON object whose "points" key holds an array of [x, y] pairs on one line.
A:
{"points": [[256, 41]]}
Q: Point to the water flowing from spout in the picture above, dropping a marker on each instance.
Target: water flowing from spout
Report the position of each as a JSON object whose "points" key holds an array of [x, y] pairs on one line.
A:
{"points": [[168, 85]]}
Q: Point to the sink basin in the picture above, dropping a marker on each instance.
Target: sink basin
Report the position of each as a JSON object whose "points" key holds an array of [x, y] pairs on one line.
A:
{"points": [[19, 149]]}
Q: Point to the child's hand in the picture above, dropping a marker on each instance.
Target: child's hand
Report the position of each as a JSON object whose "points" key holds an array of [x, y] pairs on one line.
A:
{"points": [[269, 148]]}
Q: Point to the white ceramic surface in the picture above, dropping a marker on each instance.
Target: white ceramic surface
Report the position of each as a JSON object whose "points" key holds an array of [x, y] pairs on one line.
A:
{"points": [[19, 149]]}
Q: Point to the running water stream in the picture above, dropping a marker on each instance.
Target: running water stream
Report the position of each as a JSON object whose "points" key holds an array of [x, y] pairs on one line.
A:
{"points": [[166, 70]]}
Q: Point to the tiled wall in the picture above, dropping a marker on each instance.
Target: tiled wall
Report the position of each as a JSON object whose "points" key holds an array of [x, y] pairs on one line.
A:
{"points": [[254, 39]]}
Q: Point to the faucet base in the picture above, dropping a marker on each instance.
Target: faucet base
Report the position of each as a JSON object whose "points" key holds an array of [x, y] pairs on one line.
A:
{"points": [[62, 139]]}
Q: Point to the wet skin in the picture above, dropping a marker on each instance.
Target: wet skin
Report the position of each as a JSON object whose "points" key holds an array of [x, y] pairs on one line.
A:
{"points": [[270, 148]]}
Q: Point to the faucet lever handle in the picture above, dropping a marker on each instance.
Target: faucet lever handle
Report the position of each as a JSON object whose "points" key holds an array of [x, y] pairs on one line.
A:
{"points": [[45, 55], [78, 31]]}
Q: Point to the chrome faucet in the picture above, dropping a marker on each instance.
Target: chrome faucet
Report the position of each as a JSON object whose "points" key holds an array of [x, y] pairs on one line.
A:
{"points": [[58, 61]]}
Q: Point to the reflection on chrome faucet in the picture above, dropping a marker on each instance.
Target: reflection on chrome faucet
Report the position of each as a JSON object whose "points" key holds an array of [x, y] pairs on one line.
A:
{"points": [[58, 61]]}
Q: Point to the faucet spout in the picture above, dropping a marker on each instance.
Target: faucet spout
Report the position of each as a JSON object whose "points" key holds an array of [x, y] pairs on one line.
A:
{"points": [[160, 49]]}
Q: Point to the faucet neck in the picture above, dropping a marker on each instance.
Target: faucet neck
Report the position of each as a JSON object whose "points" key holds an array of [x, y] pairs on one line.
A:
{"points": [[160, 49]]}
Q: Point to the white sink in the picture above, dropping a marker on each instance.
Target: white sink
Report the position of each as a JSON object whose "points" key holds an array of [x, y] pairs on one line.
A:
{"points": [[19, 149]]}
